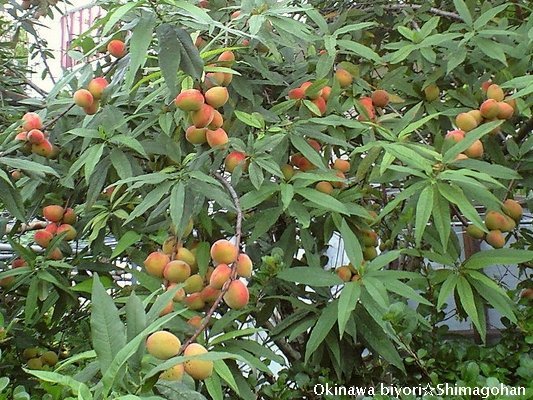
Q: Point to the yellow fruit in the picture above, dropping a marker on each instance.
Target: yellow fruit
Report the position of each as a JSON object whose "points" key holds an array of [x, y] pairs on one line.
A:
{"points": [[495, 92], [466, 122], [475, 232], [244, 266], [224, 252], [197, 369], [513, 209], [155, 263], [174, 373], [344, 273], [163, 345], [496, 239], [237, 296]]}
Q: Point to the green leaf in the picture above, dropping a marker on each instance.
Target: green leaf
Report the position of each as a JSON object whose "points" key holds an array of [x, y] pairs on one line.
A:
{"points": [[455, 195], [129, 141], [12, 200], [359, 49], [117, 14], [224, 372], [93, 156], [214, 387], [107, 330], [169, 55], [177, 203], [463, 11], [310, 276], [441, 218], [249, 119], [139, 45], [347, 301], [256, 175], [466, 296], [323, 200], [150, 200], [487, 258], [423, 212], [287, 193], [323, 326], [352, 247], [126, 240], [27, 165], [493, 294], [78, 388], [191, 62], [488, 15], [307, 151], [398, 287]]}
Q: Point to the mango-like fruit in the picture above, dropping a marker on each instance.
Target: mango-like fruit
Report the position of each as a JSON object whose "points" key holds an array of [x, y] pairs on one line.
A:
{"points": [[197, 369]]}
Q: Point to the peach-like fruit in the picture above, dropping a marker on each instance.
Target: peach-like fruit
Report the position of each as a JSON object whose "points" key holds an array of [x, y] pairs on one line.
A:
{"points": [[326, 92], [203, 117], [69, 217], [220, 276], [475, 150], [237, 296], [244, 265], [215, 138], [31, 121], [380, 98], [321, 104], [70, 232], [296, 94], [431, 92], [193, 284], [117, 48], [513, 209], [466, 122], [226, 59], [455, 136], [505, 110], [495, 238], [180, 293], [344, 78], [197, 369], [177, 271], [224, 252], [35, 136], [341, 165], [476, 114], [344, 273], [217, 96], [234, 159], [195, 135], [194, 301], [163, 345], [53, 213], [44, 149], [97, 86], [475, 232], [494, 220], [209, 294], [217, 121], [189, 100], [83, 98], [43, 238], [155, 263], [174, 373], [489, 109], [324, 187], [495, 92]]}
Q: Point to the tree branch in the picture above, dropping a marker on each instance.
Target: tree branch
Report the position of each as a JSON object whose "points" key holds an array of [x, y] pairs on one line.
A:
{"points": [[524, 130]]}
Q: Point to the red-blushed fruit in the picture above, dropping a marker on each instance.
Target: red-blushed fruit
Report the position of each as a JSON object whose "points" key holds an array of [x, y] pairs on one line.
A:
{"points": [[224, 252], [288, 171], [244, 265], [505, 111], [513, 209], [7, 282], [301, 162], [44, 149], [193, 284], [485, 85], [296, 94], [217, 122], [70, 232], [369, 253], [174, 373], [227, 79], [431, 92], [53, 213], [237, 296], [341, 165], [495, 92], [168, 309], [180, 293], [19, 263], [43, 238], [197, 369], [195, 135], [209, 294], [320, 103], [344, 273], [511, 102], [494, 220], [21, 136], [489, 109], [495, 238], [380, 98], [510, 224], [215, 138], [16, 174], [55, 254], [476, 114], [315, 144], [214, 79], [189, 100], [184, 254], [163, 345], [339, 184], [475, 150], [370, 238], [326, 92], [235, 14], [314, 95], [527, 294], [93, 108], [220, 276], [226, 59], [475, 232], [369, 113], [324, 187], [466, 122], [97, 86], [117, 48], [83, 98], [194, 301], [69, 217], [344, 78], [455, 136], [234, 159], [217, 96], [35, 136], [199, 42], [177, 271], [203, 116], [52, 228], [195, 321], [155, 263], [31, 121]]}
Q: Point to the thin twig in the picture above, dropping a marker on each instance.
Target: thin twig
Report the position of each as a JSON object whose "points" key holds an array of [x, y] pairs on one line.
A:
{"points": [[233, 276], [463, 220]]}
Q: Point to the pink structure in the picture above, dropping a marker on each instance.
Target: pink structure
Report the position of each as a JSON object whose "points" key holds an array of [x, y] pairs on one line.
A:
{"points": [[73, 24]]}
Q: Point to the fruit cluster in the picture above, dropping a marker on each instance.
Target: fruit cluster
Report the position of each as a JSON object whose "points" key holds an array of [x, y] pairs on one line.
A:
{"points": [[89, 99], [206, 120], [39, 360], [164, 345], [498, 223], [60, 222], [36, 141], [318, 97], [177, 265], [496, 107]]}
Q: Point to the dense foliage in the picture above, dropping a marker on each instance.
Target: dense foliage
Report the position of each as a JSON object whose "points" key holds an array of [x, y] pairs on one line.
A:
{"points": [[352, 128]]}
